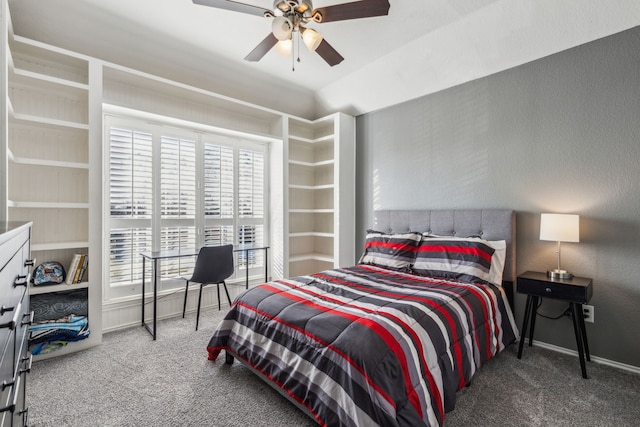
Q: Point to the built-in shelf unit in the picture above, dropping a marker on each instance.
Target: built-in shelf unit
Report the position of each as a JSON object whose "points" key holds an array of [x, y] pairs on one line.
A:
{"points": [[48, 159], [321, 193]]}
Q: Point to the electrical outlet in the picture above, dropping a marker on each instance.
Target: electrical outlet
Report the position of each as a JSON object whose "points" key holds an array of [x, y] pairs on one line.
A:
{"points": [[587, 310]]}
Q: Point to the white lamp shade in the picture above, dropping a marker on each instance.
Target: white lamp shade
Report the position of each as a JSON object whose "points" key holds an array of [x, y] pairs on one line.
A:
{"points": [[311, 39], [560, 227], [281, 28]]}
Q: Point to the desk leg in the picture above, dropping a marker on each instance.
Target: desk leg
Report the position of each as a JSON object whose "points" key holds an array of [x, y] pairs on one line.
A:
{"points": [[523, 331], [577, 312], [266, 269], [155, 297], [143, 278], [246, 268]]}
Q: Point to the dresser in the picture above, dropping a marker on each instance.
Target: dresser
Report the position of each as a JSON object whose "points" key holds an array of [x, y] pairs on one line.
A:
{"points": [[15, 317]]}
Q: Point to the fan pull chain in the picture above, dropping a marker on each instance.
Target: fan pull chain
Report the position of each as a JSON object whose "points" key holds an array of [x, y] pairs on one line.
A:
{"points": [[293, 48]]}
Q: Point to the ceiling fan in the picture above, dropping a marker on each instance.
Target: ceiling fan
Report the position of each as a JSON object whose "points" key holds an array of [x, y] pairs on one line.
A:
{"points": [[291, 16]]}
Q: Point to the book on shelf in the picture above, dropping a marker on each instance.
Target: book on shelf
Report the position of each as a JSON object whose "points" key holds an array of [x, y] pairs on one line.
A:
{"points": [[72, 268], [77, 269], [83, 269]]}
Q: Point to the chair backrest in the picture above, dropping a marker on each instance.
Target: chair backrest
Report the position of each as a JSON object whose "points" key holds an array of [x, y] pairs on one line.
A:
{"points": [[213, 265]]}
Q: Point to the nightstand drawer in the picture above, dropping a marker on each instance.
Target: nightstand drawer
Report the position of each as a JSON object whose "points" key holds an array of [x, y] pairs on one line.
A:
{"points": [[538, 284]]}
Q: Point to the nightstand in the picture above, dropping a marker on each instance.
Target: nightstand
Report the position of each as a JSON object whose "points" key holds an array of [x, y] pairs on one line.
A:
{"points": [[576, 291]]}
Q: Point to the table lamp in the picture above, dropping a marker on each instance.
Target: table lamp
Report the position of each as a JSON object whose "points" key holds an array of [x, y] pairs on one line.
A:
{"points": [[559, 228]]}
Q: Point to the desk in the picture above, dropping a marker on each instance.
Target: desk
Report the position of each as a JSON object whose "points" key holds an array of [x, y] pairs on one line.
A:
{"points": [[155, 256]]}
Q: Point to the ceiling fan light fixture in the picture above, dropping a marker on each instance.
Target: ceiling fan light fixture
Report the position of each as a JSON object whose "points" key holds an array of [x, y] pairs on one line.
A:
{"points": [[281, 28], [311, 39]]}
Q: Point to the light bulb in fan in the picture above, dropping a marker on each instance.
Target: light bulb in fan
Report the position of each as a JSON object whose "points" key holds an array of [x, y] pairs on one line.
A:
{"points": [[284, 47]]}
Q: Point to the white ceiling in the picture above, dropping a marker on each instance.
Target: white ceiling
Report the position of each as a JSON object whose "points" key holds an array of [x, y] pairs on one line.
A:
{"points": [[422, 46]]}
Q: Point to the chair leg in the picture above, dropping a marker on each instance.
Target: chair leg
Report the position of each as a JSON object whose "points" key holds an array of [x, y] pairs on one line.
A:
{"points": [[227, 292], [184, 306], [199, 301], [218, 289]]}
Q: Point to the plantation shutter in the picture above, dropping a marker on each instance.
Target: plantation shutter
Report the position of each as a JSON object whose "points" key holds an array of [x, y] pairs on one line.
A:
{"points": [[250, 204], [177, 201], [130, 196], [218, 194]]}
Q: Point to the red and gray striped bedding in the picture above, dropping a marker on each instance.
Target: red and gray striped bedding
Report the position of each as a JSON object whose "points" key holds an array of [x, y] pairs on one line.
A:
{"points": [[364, 345]]}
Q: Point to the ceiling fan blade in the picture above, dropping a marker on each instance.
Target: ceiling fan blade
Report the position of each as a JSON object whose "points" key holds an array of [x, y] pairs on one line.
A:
{"points": [[329, 54], [353, 10], [261, 50], [234, 6]]}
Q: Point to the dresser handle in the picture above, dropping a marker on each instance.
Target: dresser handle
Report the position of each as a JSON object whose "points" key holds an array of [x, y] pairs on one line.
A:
{"points": [[25, 416], [30, 321], [4, 309], [6, 384], [14, 322], [20, 281], [547, 290], [28, 368], [30, 262], [15, 384], [16, 395]]}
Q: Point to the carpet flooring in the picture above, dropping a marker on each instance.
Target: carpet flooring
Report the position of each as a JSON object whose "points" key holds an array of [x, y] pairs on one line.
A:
{"points": [[132, 380]]}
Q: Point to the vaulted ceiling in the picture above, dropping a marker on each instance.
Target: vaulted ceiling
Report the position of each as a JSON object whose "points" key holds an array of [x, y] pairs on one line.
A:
{"points": [[421, 47]]}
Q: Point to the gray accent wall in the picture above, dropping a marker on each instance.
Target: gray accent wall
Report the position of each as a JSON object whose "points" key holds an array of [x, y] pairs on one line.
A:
{"points": [[560, 134]]}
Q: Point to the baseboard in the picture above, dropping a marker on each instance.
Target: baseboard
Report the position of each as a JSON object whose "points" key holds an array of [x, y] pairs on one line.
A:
{"points": [[596, 359]]}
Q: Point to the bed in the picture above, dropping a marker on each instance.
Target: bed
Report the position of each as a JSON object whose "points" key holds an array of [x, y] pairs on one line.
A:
{"points": [[392, 339]]}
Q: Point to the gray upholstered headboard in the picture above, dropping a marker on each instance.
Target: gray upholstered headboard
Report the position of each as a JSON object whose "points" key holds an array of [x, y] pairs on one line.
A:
{"points": [[490, 224]]}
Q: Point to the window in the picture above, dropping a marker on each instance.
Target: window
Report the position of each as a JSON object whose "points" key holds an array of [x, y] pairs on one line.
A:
{"points": [[177, 188]]}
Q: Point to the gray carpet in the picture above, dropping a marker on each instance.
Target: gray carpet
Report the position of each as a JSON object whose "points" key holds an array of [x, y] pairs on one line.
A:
{"points": [[133, 381]]}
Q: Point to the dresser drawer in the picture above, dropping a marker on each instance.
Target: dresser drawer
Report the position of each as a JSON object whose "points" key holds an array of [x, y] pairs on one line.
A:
{"points": [[8, 378], [13, 403], [14, 279], [573, 290], [13, 245]]}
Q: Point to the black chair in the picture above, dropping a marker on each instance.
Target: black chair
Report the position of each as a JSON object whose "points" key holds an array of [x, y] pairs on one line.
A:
{"points": [[213, 265]]}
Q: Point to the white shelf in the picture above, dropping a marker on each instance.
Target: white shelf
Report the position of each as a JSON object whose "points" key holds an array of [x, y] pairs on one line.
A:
{"points": [[43, 162], [311, 187], [311, 256], [58, 245], [311, 211], [46, 82], [312, 164], [312, 234], [45, 120], [47, 289], [47, 205], [49, 61], [312, 141]]}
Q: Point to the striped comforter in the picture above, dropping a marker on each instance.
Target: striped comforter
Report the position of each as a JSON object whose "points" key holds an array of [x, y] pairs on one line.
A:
{"points": [[365, 346]]}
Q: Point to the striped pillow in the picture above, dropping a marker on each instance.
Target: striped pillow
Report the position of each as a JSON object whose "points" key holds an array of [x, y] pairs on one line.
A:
{"points": [[396, 251], [467, 260]]}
